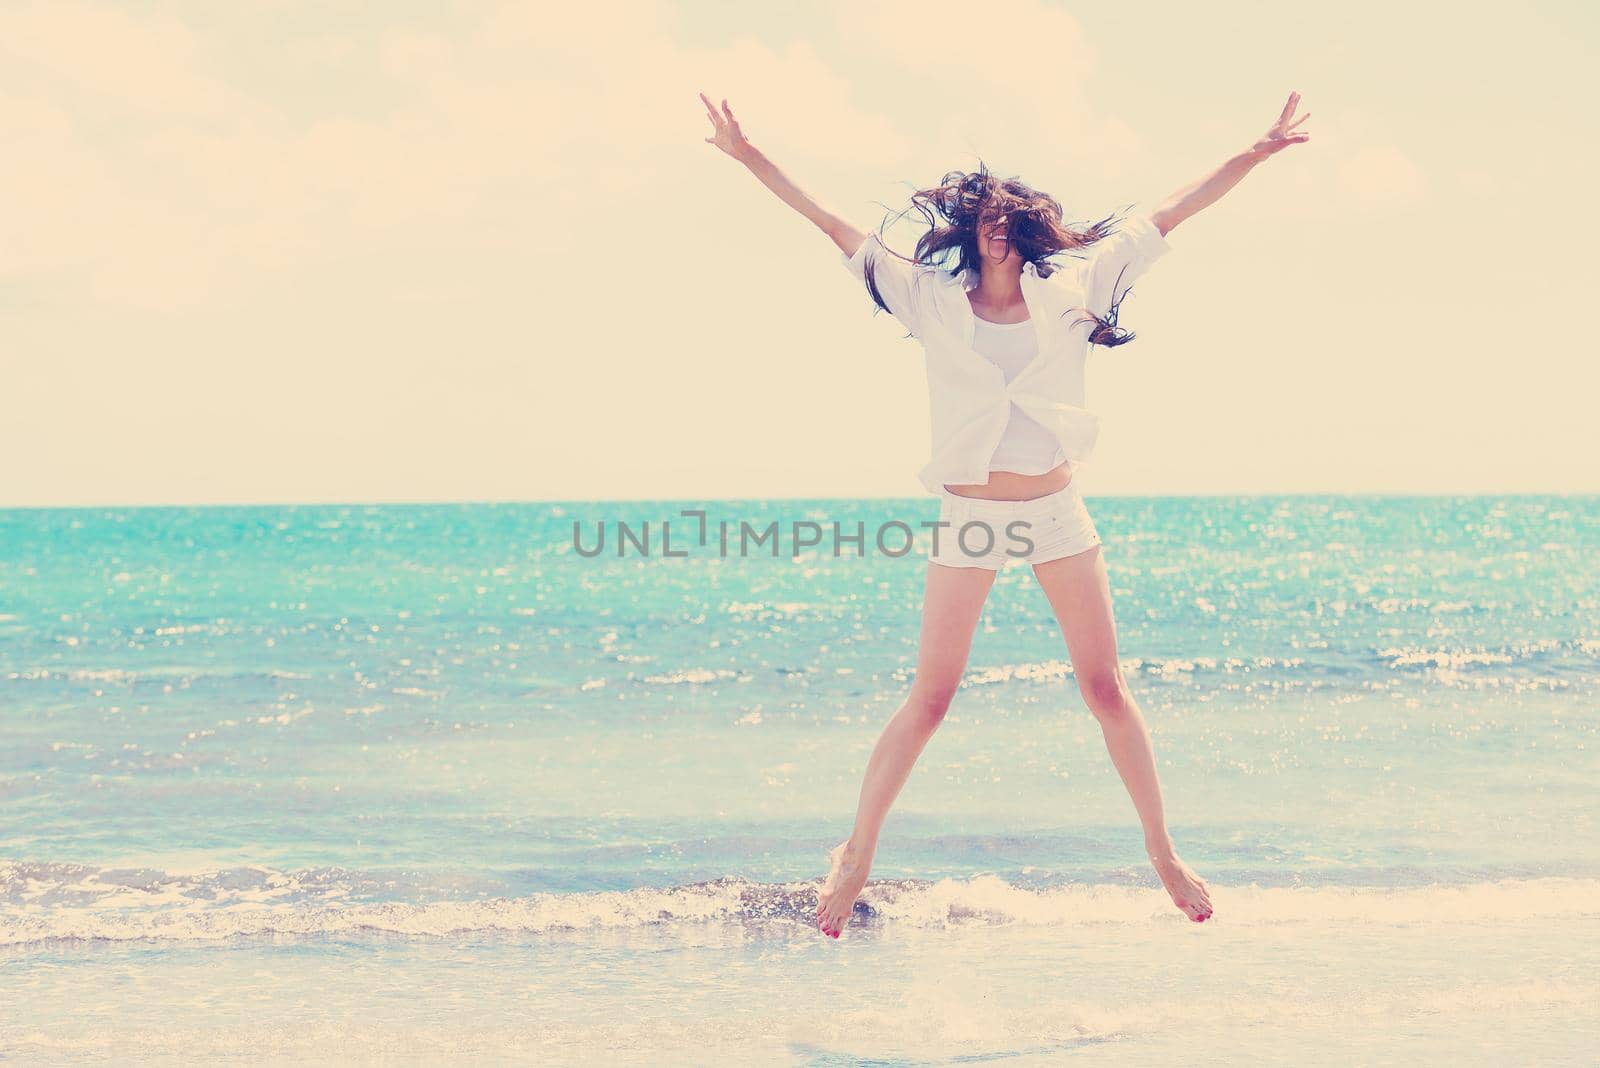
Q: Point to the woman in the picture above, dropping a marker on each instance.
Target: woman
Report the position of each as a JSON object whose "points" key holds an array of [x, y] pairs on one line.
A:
{"points": [[1005, 334]]}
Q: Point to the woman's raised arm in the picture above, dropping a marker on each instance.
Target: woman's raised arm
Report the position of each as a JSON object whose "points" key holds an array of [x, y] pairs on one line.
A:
{"points": [[889, 278], [1209, 189], [727, 136]]}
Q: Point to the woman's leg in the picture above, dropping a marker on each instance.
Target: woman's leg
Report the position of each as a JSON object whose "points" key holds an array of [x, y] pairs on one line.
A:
{"points": [[1079, 593], [952, 602]]}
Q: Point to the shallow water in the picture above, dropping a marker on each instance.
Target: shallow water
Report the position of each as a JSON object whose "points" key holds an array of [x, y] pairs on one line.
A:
{"points": [[414, 781]]}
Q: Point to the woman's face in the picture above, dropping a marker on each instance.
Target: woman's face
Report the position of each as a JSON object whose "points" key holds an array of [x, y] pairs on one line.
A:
{"points": [[994, 243]]}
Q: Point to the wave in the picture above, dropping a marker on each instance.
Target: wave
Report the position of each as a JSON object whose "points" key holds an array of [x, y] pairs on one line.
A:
{"points": [[130, 677], [1554, 661], [55, 902]]}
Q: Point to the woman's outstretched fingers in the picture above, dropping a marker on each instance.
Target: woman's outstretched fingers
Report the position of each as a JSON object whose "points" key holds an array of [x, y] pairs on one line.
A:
{"points": [[1282, 133], [1288, 108], [711, 112], [725, 132]]}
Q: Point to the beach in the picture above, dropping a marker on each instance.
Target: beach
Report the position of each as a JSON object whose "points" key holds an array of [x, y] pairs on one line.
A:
{"points": [[419, 782]]}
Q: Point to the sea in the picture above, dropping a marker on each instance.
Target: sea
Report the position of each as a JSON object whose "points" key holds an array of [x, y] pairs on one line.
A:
{"points": [[555, 782]]}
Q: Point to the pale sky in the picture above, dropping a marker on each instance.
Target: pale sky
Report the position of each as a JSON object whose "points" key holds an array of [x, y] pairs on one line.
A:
{"points": [[311, 252]]}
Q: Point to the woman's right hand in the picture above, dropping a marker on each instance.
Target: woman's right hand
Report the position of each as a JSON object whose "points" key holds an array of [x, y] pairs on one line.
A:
{"points": [[726, 134]]}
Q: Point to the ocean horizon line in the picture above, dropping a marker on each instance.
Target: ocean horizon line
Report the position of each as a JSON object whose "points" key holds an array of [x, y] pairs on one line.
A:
{"points": [[1385, 495]]}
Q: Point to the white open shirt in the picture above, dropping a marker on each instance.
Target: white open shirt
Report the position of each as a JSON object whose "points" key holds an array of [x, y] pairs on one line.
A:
{"points": [[969, 398]]}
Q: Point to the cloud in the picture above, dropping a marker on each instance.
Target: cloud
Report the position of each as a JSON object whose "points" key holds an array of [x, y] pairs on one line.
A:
{"points": [[1008, 82], [1027, 48], [151, 63], [152, 183], [1381, 175]]}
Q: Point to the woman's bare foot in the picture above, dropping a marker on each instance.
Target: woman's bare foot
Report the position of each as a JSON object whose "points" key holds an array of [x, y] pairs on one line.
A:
{"points": [[847, 874], [1188, 890]]}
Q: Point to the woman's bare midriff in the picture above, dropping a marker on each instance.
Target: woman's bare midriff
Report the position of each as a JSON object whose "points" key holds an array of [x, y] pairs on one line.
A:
{"points": [[1011, 486]]}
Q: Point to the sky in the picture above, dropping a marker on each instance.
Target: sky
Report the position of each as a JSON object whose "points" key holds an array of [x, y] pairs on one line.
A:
{"points": [[292, 252]]}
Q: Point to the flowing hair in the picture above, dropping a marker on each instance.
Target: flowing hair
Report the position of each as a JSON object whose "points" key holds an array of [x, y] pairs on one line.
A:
{"points": [[962, 202]]}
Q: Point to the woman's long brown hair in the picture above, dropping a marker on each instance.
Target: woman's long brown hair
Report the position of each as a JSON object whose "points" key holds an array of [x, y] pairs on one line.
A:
{"points": [[962, 201]]}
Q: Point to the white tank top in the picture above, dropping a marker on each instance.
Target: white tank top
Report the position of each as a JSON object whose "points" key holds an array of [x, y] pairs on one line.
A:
{"points": [[1027, 447]]}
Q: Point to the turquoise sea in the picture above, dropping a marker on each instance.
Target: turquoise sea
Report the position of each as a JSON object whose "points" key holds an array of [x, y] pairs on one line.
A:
{"points": [[415, 783]]}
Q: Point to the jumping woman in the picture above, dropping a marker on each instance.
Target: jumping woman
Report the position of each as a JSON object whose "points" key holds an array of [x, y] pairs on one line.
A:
{"points": [[1005, 334]]}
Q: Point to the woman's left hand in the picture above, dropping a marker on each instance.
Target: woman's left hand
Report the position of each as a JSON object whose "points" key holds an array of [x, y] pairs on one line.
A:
{"points": [[1282, 133]]}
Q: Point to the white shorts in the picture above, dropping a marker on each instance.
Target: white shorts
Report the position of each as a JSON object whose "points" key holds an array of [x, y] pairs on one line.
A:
{"points": [[982, 533]]}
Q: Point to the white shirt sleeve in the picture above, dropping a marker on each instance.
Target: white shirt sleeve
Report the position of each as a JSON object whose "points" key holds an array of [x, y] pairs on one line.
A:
{"points": [[895, 278], [1115, 261]]}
